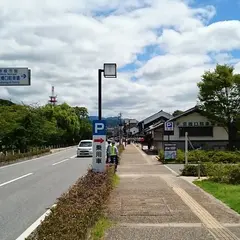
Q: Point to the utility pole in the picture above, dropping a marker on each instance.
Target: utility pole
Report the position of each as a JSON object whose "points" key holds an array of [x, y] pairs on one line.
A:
{"points": [[120, 128]]}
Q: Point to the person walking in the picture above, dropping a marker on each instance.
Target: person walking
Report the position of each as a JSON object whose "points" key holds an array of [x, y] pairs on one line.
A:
{"points": [[108, 151], [114, 155]]}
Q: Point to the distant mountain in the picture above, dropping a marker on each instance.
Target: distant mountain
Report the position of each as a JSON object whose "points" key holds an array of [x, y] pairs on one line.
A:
{"points": [[4, 102], [111, 121]]}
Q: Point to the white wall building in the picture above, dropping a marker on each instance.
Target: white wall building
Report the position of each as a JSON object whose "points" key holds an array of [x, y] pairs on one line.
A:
{"points": [[201, 132]]}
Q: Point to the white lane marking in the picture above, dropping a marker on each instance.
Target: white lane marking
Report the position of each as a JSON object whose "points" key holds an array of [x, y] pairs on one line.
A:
{"points": [[29, 230], [34, 159], [15, 179], [64, 160], [175, 173], [73, 156]]}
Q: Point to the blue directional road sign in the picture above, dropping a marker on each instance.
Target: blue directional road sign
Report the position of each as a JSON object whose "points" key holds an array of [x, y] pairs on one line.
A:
{"points": [[15, 77], [99, 145], [99, 127]]}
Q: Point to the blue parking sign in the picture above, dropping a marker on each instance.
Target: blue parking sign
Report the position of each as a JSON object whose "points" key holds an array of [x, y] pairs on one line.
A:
{"points": [[99, 127], [169, 126]]}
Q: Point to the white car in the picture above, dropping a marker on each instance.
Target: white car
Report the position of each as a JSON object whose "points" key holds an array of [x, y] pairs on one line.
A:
{"points": [[85, 148]]}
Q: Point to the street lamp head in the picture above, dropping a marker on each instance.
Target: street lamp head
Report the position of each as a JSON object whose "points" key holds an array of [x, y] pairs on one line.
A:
{"points": [[110, 70]]}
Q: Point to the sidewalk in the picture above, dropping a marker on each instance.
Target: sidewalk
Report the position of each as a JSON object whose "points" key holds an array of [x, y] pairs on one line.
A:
{"points": [[151, 203]]}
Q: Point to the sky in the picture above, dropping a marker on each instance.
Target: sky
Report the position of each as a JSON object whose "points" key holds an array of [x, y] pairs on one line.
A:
{"points": [[161, 47]]}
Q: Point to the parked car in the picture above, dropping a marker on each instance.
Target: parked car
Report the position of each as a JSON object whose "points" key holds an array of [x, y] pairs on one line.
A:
{"points": [[85, 148]]}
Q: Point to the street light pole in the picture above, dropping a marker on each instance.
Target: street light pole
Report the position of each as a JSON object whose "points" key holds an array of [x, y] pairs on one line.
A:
{"points": [[109, 71], [100, 71]]}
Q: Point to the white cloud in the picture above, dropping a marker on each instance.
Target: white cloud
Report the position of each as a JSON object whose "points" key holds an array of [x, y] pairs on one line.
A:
{"points": [[65, 42]]}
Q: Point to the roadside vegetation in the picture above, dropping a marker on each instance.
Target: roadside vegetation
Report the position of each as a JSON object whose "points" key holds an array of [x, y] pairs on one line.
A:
{"points": [[80, 212], [27, 131], [204, 156], [77, 210], [227, 193]]}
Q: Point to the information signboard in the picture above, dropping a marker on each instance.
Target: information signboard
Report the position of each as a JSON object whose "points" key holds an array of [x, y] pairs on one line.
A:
{"points": [[170, 151], [99, 146], [15, 77]]}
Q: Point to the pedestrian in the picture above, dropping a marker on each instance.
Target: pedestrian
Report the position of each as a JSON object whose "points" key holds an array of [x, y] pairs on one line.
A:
{"points": [[114, 155], [108, 151]]}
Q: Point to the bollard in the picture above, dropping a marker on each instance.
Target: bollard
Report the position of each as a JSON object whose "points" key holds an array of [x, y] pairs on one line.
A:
{"points": [[199, 170]]}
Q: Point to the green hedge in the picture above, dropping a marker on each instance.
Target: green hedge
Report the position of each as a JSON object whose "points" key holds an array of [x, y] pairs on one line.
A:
{"points": [[17, 156], [78, 209], [222, 173], [192, 170], [205, 156]]}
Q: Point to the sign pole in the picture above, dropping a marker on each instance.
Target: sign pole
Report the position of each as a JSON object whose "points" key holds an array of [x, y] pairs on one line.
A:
{"points": [[186, 148], [100, 71]]}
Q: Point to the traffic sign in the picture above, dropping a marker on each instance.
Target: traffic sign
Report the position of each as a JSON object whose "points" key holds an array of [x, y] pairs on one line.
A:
{"points": [[15, 77], [99, 146], [169, 126]]}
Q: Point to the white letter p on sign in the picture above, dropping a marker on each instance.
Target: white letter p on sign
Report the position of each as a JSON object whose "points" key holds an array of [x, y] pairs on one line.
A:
{"points": [[99, 127]]}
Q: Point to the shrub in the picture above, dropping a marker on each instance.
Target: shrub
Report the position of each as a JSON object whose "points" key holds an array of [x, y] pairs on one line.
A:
{"points": [[192, 170], [224, 173], [234, 175], [205, 156], [17, 156], [78, 209]]}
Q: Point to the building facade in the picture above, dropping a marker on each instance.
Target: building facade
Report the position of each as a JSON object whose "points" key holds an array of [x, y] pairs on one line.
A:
{"points": [[202, 133]]}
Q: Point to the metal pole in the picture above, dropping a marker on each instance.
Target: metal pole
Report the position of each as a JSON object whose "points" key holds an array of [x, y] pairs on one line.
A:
{"points": [[100, 71], [186, 148], [199, 170]]}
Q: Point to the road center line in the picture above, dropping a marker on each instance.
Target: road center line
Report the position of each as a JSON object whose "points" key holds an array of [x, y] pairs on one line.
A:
{"points": [[15, 179], [60, 162]]}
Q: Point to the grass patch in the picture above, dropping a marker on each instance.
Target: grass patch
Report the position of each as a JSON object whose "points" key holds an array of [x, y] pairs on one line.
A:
{"points": [[98, 231], [116, 180], [227, 193]]}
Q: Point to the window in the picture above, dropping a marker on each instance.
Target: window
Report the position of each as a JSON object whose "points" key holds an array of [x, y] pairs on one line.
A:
{"points": [[207, 123], [184, 124], [195, 124], [196, 131], [190, 124], [201, 123], [85, 144]]}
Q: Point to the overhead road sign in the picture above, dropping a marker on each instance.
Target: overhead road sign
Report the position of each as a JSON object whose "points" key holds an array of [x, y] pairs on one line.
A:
{"points": [[99, 145], [15, 77]]}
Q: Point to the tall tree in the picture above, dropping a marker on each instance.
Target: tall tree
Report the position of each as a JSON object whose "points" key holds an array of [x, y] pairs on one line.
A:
{"points": [[177, 112], [219, 96]]}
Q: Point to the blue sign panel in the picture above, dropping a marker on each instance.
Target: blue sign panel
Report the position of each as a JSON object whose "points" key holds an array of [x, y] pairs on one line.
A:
{"points": [[169, 126], [99, 127]]}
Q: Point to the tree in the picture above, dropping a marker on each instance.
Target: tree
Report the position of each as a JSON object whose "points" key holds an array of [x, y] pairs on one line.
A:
{"points": [[24, 127], [177, 112], [219, 96]]}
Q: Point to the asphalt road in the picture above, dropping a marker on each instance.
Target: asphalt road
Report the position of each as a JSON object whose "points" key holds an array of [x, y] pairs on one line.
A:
{"points": [[28, 188]]}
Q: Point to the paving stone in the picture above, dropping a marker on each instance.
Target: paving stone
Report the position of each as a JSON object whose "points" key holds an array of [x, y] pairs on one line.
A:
{"points": [[166, 233], [145, 196]]}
